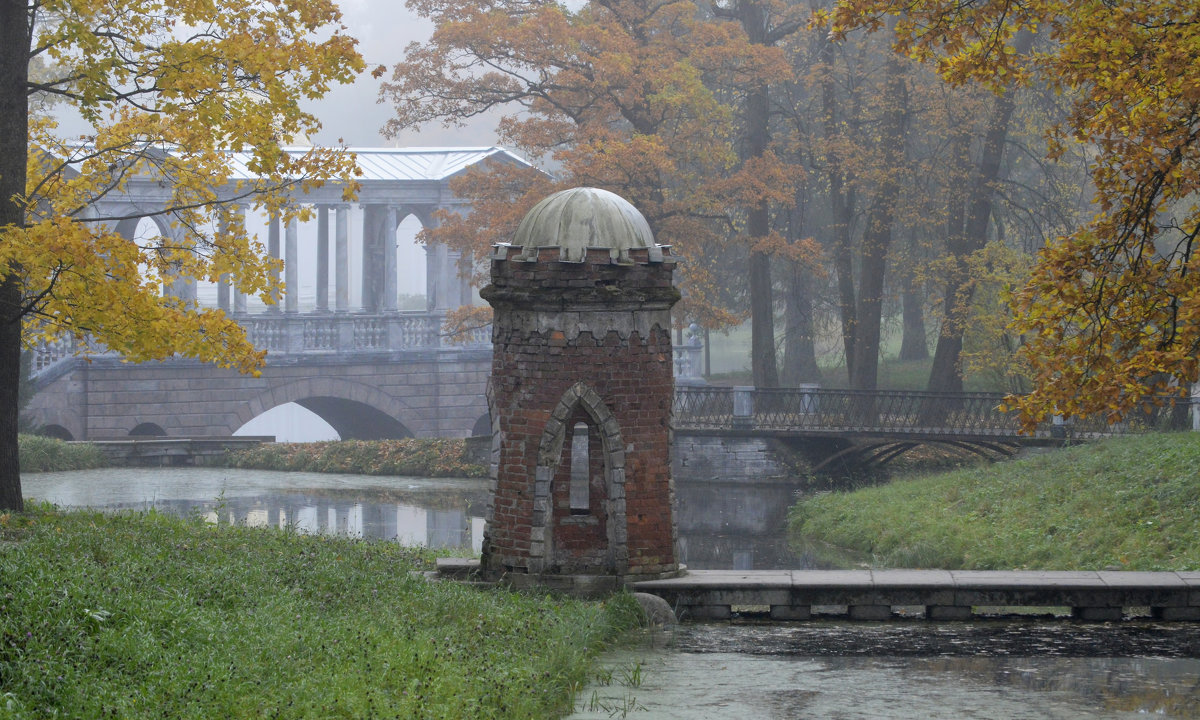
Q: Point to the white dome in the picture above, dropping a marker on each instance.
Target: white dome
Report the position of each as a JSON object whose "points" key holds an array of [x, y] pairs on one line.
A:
{"points": [[582, 218]]}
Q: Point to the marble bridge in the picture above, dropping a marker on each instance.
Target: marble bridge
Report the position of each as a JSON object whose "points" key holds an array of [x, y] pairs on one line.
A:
{"points": [[340, 342]]}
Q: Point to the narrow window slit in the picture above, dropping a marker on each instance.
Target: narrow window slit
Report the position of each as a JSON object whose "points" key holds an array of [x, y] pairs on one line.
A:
{"points": [[581, 500]]}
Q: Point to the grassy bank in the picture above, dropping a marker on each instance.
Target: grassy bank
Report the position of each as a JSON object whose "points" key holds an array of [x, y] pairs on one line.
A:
{"points": [[43, 454], [427, 457], [1130, 503], [138, 616]]}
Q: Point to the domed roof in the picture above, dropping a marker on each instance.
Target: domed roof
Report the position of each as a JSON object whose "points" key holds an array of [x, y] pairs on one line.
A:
{"points": [[582, 218]]}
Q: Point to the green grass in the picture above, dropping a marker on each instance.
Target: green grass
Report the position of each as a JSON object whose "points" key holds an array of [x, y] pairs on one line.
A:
{"points": [[145, 615], [43, 454], [1131, 503], [426, 457]]}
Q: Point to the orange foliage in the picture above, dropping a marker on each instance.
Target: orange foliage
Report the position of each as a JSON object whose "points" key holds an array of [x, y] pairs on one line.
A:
{"points": [[614, 95]]}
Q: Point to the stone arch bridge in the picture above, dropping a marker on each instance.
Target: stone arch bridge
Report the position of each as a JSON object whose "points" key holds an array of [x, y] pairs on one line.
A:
{"points": [[410, 391]]}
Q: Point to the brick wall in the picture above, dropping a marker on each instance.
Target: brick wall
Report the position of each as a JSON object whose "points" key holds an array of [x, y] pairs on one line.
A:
{"points": [[591, 342]]}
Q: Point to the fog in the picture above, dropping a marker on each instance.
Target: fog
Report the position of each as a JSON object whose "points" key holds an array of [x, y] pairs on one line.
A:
{"points": [[352, 113]]}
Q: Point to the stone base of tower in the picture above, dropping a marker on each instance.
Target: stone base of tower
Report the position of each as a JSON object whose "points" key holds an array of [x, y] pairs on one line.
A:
{"points": [[576, 585]]}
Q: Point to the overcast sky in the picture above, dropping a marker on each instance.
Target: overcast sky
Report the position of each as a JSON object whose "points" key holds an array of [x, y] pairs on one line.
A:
{"points": [[384, 28]]}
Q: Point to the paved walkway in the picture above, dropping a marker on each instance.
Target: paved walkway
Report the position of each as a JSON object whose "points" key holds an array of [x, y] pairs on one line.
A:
{"points": [[945, 594]]}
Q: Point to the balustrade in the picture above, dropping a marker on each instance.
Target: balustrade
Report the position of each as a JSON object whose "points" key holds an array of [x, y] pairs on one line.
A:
{"points": [[340, 332], [812, 410]]}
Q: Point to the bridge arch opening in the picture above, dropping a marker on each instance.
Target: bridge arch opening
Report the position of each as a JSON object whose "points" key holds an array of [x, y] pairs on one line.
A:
{"points": [[482, 426], [316, 419], [354, 420], [147, 429], [58, 432]]}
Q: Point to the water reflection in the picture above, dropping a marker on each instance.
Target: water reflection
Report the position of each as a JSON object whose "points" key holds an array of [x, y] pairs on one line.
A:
{"points": [[721, 526], [736, 526], [990, 670], [426, 512]]}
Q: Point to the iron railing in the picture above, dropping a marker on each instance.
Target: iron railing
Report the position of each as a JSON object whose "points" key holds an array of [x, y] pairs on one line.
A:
{"points": [[811, 410]]}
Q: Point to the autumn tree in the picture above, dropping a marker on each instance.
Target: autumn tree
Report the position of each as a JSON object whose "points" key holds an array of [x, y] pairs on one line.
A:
{"points": [[171, 88], [618, 94], [1112, 310]]}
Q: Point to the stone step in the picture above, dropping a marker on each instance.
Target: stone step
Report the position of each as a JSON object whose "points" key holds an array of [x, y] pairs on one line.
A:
{"points": [[945, 594]]}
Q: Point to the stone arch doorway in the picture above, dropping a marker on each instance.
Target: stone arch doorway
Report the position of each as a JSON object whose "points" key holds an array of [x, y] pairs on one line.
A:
{"points": [[580, 534]]}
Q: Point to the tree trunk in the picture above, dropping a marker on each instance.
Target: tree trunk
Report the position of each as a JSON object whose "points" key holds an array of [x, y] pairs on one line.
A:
{"points": [[946, 373], [840, 211], [763, 363], [800, 348], [14, 148], [914, 340], [914, 343], [877, 235]]}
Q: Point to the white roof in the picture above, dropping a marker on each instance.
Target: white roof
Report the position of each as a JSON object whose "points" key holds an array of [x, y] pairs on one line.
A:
{"points": [[410, 163]]}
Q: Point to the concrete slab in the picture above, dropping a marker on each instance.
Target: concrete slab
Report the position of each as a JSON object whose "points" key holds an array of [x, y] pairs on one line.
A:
{"points": [[832, 578], [1192, 580], [833, 587], [1148, 588], [722, 578], [913, 587], [943, 594]]}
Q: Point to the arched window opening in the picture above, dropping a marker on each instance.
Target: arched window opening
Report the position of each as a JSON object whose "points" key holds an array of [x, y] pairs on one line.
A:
{"points": [[581, 501]]}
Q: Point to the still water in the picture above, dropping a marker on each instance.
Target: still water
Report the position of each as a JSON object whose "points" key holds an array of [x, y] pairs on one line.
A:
{"points": [[994, 669], [435, 513]]}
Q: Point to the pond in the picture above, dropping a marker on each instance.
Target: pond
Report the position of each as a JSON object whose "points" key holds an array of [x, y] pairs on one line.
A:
{"points": [[991, 669]]}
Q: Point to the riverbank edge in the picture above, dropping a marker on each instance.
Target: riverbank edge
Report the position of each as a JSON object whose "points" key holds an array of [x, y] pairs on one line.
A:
{"points": [[143, 614], [1125, 503], [38, 453], [424, 457]]}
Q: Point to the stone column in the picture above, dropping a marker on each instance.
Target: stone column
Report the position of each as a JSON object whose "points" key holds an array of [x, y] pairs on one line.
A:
{"points": [[239, 297], [444, 288], [432, 265], [322, 258], [223, 280], [291, 267], [390, 271], [371, 261], [342, 258], [273, 251]]}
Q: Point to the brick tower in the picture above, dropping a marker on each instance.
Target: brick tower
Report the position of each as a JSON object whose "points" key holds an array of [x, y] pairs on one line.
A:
{"points": [[581, 397]]}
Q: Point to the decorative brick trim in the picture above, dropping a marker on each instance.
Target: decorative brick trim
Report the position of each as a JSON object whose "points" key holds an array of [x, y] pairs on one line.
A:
{"points": [[579, 395]]}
